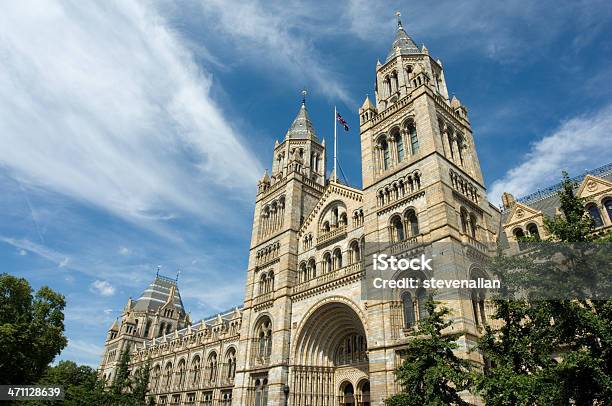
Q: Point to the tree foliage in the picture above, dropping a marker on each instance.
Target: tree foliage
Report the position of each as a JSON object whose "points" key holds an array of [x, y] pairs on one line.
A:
{"points": [[431, 374], [31, 330], [555, 351]]}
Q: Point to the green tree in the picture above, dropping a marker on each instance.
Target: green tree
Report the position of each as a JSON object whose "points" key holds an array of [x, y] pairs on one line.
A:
{"points": [[554, 346], [431, 374], [31, 330]]}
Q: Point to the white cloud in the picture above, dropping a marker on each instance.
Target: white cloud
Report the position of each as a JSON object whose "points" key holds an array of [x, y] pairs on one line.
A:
{"points": [[273, 34], [578, 144], [504, 31], [25, 245], [22, 252], [102, 102], [83, 352], [124, 251], [103, 288]]}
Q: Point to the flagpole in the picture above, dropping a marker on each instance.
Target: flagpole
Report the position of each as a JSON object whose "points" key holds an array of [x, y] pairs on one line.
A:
{"points": [[335, 142]]}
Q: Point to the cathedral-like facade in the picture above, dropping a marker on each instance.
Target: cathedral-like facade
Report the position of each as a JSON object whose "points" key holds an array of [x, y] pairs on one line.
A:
{"points": [[305, 335]]}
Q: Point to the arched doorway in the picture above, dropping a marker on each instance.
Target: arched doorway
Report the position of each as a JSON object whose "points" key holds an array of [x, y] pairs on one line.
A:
{"points": [[363, 393], [330, 357], [347, 395]]}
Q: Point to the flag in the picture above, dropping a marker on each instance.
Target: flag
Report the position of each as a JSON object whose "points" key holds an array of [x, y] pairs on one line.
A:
{"points": [[342, 122]]}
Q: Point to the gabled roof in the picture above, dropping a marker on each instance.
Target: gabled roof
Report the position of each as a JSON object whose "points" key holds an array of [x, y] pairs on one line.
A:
{"points": [[402, 41], [158, 293], [302, 126]]}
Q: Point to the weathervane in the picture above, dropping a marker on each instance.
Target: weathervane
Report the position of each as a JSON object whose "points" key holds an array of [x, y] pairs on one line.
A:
{"points": [[178, 273], [304, 93], [158, 268], [399, 21]]}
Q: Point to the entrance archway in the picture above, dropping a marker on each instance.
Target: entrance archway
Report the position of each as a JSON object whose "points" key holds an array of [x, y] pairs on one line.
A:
{"points": [[329, 357]]}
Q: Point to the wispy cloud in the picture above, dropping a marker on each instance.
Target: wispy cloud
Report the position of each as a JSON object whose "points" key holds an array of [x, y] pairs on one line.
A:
{"points": [[503, 31], [86, 352], [275, 35], [579, 143], [102, 103], [103, 288], [24, 246]]}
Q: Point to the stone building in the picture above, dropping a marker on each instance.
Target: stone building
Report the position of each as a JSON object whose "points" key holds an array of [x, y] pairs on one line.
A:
{"points": [[305, 334]]}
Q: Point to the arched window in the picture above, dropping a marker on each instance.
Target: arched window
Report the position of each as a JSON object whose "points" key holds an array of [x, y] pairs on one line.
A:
{"points": [[478, 307], [414, 140], [327, 262], [303, 273], [169, 328], [348, 395], [270, 282], [385, 153], [518, 233], [155, 375], [397, 229], [262, 345], [230, 365], [473, 226], [532, 229], [162, 327], [337, 258], [399, 143], [262, 283], [421, 300], [355, 252], [312, 268], [351, 350], [408, 308], [261, 392], [326, 227], [595, 215], [608, 205], [195, 371], [211, 367], [181, 374], [168, 375], [147, 328], [412, 222]]}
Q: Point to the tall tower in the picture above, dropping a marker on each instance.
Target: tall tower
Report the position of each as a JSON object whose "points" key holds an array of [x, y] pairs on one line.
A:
{"points": [[158, 312], [423, 192], [284, 197]]}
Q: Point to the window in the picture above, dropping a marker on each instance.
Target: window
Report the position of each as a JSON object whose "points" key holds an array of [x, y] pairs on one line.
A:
{"points": [[312, 268], [147, 328], [180, 379], [327, 262], [167, 375], [608, 205], [351, 350], [397, 229], [518, 233], [211, 367], [262, 342], [337, 258], [414, 140], [303, 273], [195, 370], [385, 151], [595, 215], [473, 226], [408, 307], [230, 365], [355, 252], [261, 392], [399, 142], [532, 229], [412, 222], [478, 307]]}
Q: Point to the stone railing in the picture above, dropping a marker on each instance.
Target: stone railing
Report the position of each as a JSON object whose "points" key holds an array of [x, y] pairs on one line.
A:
{"points": [[330, 235], [472, 242], [263, 298], [407, 244], [328, 277]]}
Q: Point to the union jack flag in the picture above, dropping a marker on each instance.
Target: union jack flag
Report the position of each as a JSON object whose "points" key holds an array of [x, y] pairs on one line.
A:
{"points": [[342, 122]]}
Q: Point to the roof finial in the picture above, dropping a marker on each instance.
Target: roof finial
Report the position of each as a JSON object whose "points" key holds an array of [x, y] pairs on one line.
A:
{"points": [[178, 273], [304, 93], [157, 273], [399, 21]]}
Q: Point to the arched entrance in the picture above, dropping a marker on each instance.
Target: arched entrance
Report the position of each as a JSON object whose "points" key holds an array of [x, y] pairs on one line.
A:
{"points": [[330, 358]]}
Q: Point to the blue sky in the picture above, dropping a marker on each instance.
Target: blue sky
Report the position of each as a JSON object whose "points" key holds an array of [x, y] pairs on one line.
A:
{"points": [[133, 133]]}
